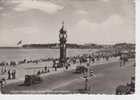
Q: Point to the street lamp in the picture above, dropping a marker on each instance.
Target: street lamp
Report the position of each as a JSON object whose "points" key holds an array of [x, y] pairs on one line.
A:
{"points": [[86, 76]]}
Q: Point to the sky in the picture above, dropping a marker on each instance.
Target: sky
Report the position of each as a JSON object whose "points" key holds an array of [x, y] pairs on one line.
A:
{"points": [[86, 21]]}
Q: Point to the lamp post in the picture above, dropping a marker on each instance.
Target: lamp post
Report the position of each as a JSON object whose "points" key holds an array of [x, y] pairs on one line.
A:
{"points": [[87, 75], [63, 40]]}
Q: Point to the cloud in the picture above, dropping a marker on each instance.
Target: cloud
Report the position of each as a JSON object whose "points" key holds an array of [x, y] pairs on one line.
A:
{"points": [[105, 0], [4, 14], [101, 21], [82, 12], [1, 8], [113, 30], [45, 6], [12, 35]]}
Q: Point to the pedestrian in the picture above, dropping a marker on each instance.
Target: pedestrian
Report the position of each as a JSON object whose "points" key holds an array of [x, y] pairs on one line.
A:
{"points": [[121, 61], [2, 70], [55, 67], [45, 69], [66, 66], [48, 70], [14, 74], [5, 70], [38, 73], [9, 74], [88, 64]]}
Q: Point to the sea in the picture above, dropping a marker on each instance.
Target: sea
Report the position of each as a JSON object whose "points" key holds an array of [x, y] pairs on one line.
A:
{"points": [[17, 54]]}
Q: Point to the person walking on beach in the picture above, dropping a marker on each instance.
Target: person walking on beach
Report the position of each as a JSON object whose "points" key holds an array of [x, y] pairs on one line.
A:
{"points": [[5, 70], [38, 73], [14, 74], [9, 74], [122, 61], [45, 69], [66, 66], [55, 65]]}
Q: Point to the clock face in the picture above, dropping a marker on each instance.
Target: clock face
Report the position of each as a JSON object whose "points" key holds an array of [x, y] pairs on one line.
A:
{"points": [[65, 35], [60, 36]]}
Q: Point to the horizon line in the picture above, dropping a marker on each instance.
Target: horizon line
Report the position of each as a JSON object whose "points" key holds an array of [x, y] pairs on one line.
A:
{"points": [[70, 43]]}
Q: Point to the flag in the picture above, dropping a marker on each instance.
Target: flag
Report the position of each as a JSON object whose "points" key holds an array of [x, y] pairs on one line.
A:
{"points": [[20, 42]]}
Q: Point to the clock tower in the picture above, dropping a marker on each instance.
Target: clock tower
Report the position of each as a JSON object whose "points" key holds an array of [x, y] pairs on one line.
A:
{"points": [[63, 40]]}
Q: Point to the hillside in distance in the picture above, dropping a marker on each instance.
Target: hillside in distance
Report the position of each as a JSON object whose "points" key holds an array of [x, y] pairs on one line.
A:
{"points": [[119, 46], [81, 46], [69, 45]]}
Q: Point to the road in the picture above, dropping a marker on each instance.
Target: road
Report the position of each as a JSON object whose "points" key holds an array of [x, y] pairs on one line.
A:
{"points": [[108, 77]]}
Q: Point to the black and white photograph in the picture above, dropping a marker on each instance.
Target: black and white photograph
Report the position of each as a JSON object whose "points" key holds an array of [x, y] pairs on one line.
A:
{"points": [[67, 47]]}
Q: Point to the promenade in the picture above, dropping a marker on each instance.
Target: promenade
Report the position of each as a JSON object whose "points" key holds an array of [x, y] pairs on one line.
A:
{"points": [[109, 75]]}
